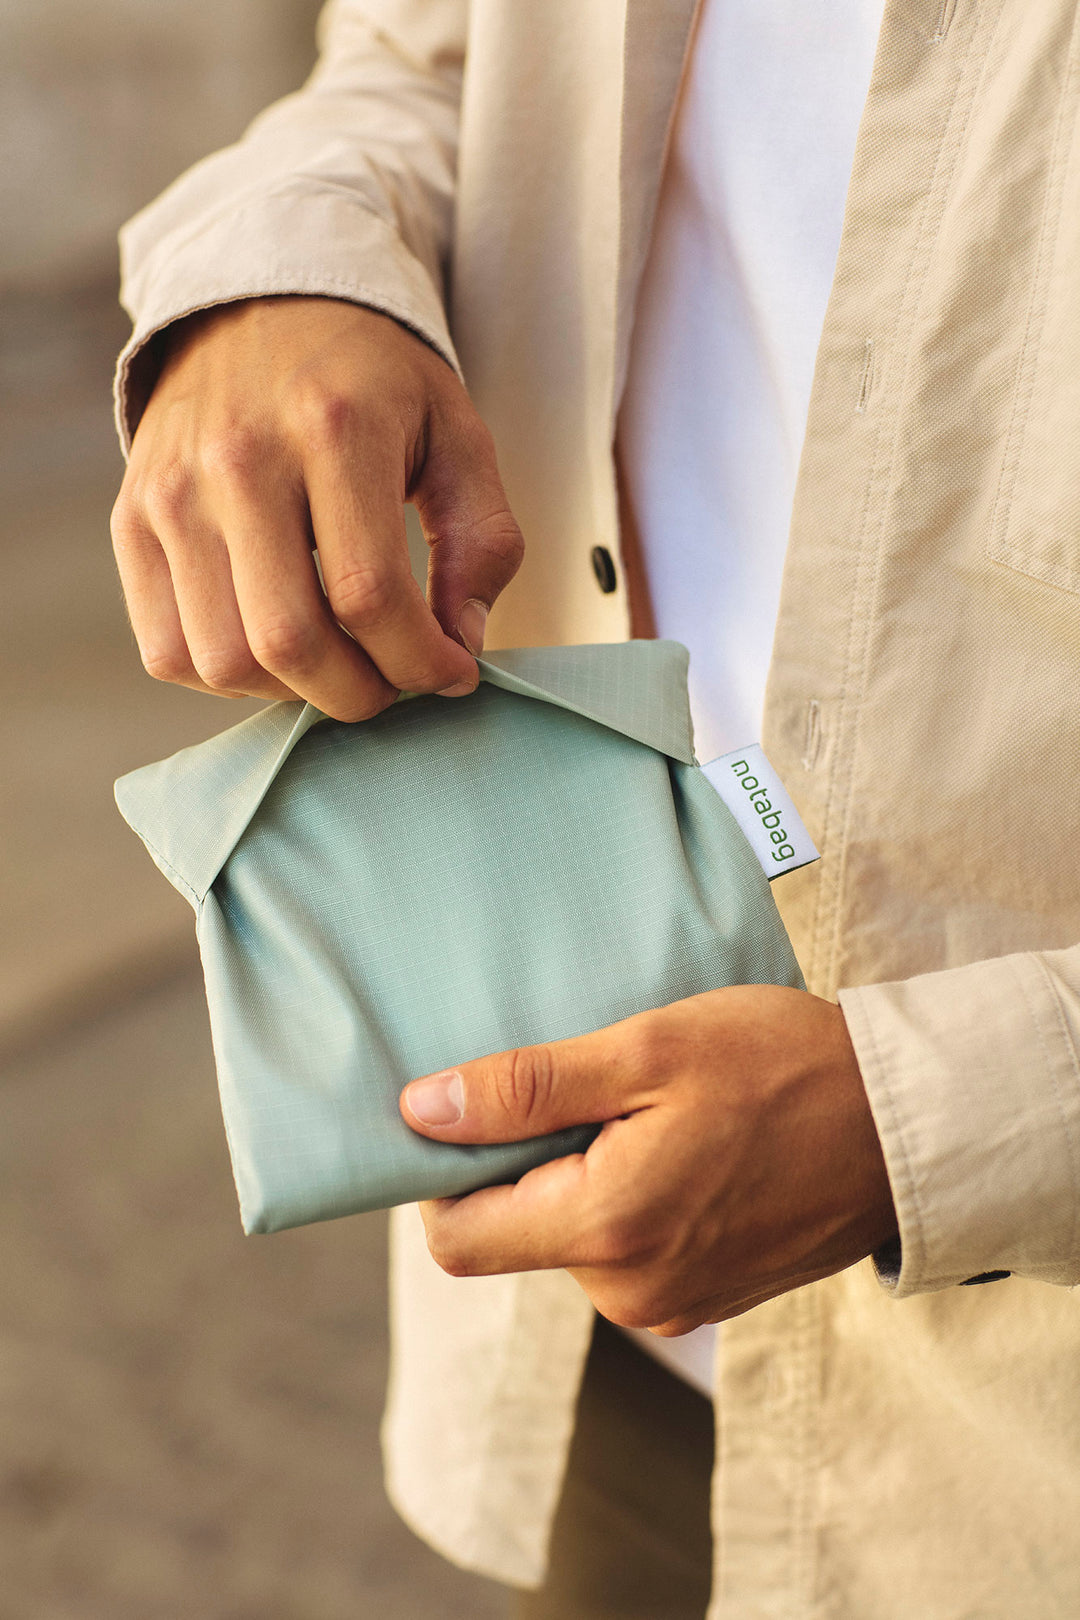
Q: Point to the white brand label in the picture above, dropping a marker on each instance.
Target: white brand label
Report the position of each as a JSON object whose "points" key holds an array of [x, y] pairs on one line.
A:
{"points": [[759, 802]]}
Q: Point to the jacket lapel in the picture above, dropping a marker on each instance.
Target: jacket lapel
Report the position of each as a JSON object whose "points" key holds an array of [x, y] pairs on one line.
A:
{"points": [[655, 46]]}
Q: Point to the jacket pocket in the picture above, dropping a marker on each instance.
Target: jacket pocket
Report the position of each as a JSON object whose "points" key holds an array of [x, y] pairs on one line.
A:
{"points": [[1035, 526]]}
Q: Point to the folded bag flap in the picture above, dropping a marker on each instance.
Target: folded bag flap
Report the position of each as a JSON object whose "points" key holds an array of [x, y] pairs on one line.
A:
{"points": [[192, 809]]}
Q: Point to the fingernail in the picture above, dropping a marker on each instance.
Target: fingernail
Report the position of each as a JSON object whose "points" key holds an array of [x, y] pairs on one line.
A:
{"points": [[438, 1100], [471, 623], [462, 689]]}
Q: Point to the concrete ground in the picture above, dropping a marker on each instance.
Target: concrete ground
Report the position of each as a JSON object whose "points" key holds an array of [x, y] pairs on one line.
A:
{"points": [[188, 1418]]}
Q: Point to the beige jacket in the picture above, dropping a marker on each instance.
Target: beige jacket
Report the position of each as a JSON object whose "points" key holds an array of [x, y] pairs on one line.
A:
{"points": [[889, 1449]]}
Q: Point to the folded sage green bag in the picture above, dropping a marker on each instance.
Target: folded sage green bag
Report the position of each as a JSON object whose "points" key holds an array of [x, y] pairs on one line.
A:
{"points": [[451, 878]]}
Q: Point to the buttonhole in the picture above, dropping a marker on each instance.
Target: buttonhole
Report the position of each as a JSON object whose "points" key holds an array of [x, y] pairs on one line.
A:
{"points": [[945, 17], [867, 381], [812, 741]]}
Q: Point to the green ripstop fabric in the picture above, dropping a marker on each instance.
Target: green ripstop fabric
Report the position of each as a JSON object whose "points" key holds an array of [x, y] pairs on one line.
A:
{"points": [[454, 877]]}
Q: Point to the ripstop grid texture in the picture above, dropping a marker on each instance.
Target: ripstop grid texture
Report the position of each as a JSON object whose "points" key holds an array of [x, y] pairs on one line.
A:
{"points": [[445, 881]]}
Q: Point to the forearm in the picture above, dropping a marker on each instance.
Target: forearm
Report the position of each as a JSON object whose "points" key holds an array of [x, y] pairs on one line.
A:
{"points": [[344, 189]]}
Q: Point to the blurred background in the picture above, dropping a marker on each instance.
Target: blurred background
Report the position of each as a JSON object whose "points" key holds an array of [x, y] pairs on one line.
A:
{"points": [[188, 1418]]}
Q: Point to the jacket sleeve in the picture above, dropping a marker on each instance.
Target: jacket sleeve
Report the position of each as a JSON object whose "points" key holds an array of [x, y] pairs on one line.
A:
{"points": [[345, 189], [973, 1077]]}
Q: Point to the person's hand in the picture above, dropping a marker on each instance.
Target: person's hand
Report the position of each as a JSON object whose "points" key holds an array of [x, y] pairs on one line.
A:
{"points": [[738, 1158], [280, 424]]}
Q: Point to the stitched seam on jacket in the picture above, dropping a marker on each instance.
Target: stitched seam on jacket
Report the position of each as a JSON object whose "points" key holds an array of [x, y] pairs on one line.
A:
{"points": [[257, 198], [807, 1505], [282, 281], [886, 1100], [944, 22], [871, 557], [830, 889], [1071, 1147], [1031, 351], [626, 296], [487, 1474]]}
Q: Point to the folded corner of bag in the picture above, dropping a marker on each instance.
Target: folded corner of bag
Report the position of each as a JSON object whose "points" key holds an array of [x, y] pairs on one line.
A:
{"points": [[191, 809]]}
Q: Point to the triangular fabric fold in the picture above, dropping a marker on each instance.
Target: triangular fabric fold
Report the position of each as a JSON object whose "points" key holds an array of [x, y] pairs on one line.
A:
{"points": [[637, 688]]}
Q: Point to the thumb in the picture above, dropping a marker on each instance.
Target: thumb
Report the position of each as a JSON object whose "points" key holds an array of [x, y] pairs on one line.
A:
{"points": [[526, 1092], [475, 544]]}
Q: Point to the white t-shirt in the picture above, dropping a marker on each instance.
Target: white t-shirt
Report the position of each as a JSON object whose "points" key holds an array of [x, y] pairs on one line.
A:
{"points": [[726, 330]]}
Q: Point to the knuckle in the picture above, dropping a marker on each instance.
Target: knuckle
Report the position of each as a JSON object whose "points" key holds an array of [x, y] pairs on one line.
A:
{"points": [[323, 415], [623, 1239], [524, 1083], [232, 455], [167, 664], [287, 646], [363, 597], [364, 707], [225, 669], [168, 491], [125, 521], [500, 540]]}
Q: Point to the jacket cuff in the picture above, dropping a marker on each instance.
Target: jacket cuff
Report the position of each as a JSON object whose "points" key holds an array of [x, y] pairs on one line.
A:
{"points": [[297, 239], [974, 1084]]}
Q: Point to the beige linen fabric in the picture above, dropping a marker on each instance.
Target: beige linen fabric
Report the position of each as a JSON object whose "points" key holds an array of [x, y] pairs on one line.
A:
{"points": [[891, 1448]]}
